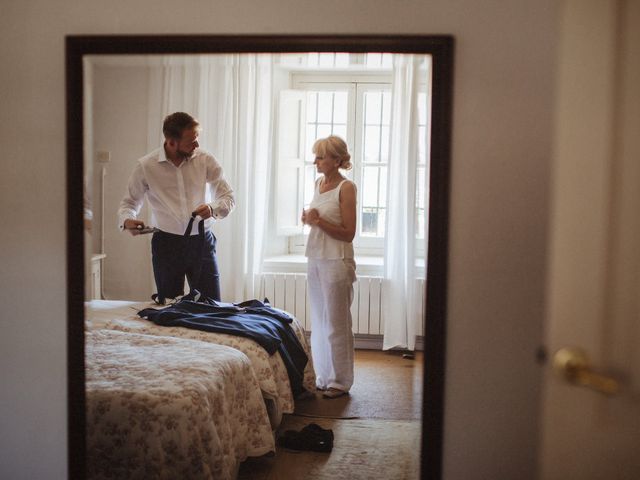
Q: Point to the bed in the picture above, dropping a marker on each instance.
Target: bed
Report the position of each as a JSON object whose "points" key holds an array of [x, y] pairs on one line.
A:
{"points": [[269, 369], [166, 407]]}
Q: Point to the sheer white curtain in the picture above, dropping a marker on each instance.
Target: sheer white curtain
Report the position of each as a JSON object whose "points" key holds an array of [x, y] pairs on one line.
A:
{"points": [[401, 299], [231, 96]]}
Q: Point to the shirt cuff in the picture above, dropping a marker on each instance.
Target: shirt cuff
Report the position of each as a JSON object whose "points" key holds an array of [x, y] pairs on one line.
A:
{"points": [[218, 212], [121, 223]]}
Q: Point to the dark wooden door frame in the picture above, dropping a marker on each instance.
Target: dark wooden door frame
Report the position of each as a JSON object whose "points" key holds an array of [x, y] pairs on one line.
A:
{"points": [[440, 47]]}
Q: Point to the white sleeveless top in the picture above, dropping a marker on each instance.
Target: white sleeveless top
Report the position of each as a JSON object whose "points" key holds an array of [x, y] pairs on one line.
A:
{"points": [[319, 243]]}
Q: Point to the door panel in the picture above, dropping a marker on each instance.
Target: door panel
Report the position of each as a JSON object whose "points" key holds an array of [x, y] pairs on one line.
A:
{"points": [[594, 274]]}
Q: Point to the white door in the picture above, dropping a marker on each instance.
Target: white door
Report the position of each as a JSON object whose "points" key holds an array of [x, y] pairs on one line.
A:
{"points": [[594, 269]]}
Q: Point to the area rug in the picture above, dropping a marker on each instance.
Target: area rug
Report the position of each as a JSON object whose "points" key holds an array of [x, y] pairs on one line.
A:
{"points": [[363, 450]]}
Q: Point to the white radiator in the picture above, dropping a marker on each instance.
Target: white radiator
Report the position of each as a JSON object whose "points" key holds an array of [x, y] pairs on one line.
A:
{"points": [[288, 291]]}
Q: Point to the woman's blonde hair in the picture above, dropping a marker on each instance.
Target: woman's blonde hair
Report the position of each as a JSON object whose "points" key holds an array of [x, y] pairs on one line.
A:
{"points": [[336, 148]]}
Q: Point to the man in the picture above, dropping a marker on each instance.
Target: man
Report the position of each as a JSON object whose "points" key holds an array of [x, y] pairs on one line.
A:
{"points": [[175, 179]]}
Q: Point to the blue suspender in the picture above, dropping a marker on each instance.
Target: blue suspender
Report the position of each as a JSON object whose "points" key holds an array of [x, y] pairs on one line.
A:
{"points": [[187, 232]]}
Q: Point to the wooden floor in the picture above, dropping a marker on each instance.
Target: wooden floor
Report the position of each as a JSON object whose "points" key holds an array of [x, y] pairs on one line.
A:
{"points": [[376, 427], [386, 386]]}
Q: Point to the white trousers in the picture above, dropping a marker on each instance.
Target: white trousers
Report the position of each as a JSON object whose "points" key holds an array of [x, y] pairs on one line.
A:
{"points": [[330, 285]]}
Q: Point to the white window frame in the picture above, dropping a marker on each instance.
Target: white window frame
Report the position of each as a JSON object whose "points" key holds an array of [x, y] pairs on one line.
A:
{"points": [[355, 84]]}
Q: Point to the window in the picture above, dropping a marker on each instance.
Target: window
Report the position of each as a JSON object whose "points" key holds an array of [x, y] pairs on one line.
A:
{"points": [[358, 109], [328, 98], [373, 144], [327, 114]]}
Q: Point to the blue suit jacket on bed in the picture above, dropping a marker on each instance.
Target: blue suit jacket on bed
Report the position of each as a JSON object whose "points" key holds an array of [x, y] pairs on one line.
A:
{"points": [[267, 326]]}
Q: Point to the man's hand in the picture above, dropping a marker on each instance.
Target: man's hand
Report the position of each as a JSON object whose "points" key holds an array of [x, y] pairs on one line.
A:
{"points": [[203, 211], [133, 226]]}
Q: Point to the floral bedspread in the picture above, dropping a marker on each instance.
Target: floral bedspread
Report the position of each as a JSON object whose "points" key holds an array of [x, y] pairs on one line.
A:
{"points": [[270, 370], [162, 407]]}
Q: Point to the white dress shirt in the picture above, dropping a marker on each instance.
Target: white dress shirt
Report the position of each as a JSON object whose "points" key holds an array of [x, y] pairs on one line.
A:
{"points": [[174, 192]]}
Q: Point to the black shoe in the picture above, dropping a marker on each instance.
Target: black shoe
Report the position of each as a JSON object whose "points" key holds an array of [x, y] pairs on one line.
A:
{"points": [[310, 440], [316, 429]]}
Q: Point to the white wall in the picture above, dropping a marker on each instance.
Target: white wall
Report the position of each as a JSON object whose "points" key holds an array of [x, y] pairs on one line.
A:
{"points": [[120, 118], [499, 212]]}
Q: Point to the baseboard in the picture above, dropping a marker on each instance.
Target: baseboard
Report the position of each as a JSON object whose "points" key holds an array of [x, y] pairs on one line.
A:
{"points": [[374, 342]]}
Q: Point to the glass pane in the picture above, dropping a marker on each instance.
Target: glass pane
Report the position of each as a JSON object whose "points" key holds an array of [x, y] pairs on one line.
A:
{"points": [[387, 60], [340, 107], [312, 60], [369, 222], [341, 131], [325, 107], [379, 60], [309, 184], [342, 59], [349, 173], [384, 145], [383, 187], [373, 60], [386, 108], [323, 131], [371, 144], [369, 186], [372, 108], [309, 141], [312, 101], [327, 59]]}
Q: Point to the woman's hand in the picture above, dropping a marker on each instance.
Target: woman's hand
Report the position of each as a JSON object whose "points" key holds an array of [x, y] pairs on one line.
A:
{"points": [[311, 217], [345, 231]]}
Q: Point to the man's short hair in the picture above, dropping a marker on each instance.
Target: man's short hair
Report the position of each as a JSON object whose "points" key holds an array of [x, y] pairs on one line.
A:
{"points": [[176, 123]]}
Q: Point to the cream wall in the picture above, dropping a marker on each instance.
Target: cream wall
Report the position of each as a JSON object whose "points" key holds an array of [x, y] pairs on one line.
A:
{"points": [[499, 210], [117, 90]]}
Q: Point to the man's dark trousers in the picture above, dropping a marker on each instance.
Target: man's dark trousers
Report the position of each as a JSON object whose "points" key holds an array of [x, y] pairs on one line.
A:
{"points": [[177, 256]]}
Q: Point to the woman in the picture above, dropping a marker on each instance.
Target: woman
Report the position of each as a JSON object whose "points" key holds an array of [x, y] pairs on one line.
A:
{"points": [[331, 267]]}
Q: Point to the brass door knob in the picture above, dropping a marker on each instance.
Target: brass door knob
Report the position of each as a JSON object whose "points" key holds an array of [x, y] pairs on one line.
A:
{"points": [[573, 365]]}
